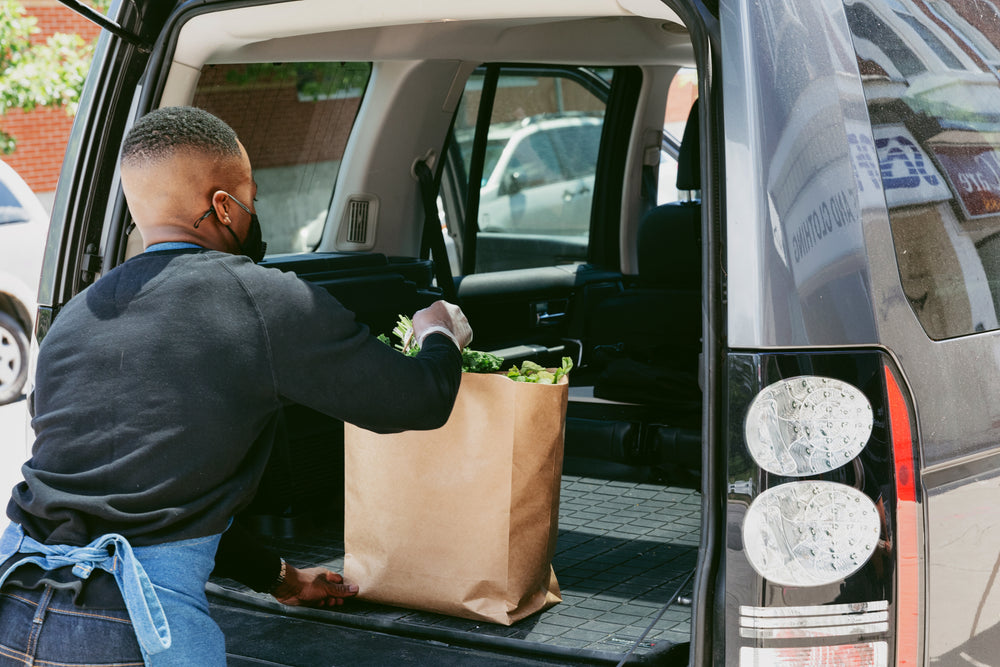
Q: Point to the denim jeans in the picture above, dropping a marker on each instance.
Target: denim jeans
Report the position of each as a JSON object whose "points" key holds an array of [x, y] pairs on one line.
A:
{"points": [[46, 626], [176, 607]]}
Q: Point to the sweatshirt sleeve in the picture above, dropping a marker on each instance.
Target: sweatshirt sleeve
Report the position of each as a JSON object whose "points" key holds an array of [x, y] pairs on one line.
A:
{"points": [[243, 558], [321, 357]]}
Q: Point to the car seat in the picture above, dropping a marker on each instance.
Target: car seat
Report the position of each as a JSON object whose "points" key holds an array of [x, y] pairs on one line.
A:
{"points": [[647, 338]]}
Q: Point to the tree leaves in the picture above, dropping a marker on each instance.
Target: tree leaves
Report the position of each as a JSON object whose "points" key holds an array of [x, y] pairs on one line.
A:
{"points": [[38, 75]]}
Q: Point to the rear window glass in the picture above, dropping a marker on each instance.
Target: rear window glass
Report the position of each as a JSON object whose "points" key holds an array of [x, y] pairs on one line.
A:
{"points": [[933, 95], [294, 120]]}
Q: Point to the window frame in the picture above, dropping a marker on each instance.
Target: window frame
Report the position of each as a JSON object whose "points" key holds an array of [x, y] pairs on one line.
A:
{"points": [[462, 201]]}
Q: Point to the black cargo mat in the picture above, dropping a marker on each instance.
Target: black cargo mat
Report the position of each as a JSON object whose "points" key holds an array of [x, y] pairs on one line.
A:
{"points": [[623, 551]]}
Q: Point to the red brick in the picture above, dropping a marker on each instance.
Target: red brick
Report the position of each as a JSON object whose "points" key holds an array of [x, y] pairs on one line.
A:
{"points": [[42, 134]]}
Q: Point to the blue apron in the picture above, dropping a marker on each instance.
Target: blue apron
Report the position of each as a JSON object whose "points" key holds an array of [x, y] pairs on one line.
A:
{"points": [[113, 554]]}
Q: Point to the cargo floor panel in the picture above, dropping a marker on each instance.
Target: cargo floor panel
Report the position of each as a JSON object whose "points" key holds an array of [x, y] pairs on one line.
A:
{"points": [[623, 551]]}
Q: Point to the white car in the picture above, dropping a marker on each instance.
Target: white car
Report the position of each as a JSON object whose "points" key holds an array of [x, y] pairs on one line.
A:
{"points": [[542, 181], [24, 224]]}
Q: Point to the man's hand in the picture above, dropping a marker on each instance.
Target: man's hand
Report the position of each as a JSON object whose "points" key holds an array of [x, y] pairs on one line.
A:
{"points": [[442, 315], [313, 587]]}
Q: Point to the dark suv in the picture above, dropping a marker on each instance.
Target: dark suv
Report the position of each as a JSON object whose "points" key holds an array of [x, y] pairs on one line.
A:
{"points": [[783, 437]]}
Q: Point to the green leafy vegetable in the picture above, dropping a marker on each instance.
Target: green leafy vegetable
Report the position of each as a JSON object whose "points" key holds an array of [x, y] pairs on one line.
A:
{"points": [[473, 361], [532, 372]]}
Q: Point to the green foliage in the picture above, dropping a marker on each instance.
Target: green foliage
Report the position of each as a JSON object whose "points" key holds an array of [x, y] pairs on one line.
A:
{"points": [[40, 75], [322, 80], [314, 81], [473, 361], [532, 372]]}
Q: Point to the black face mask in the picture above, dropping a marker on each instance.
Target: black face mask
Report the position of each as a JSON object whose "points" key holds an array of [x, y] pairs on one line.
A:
{"points": [[253, 246]]}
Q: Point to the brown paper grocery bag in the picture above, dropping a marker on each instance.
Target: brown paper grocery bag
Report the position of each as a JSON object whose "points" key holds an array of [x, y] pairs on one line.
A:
{"points": [[461, 520]]}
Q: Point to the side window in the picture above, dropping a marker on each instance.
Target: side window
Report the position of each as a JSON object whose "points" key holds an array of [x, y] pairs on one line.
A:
{"points": [[932, 96], [294, 120], [536, 178]]}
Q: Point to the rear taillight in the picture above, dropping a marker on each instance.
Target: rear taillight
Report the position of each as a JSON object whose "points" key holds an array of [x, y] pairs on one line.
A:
{"points": [[869, 654], [806, 425], [907, 526], [810, 533], [822, 564]]}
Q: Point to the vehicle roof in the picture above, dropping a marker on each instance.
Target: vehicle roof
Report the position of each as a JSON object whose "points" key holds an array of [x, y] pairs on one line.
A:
{"points": [[592, 31]]}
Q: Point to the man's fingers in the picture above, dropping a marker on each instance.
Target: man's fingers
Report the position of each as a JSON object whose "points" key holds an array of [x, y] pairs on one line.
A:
{"points": [[446, 315], [334, 586], [346, 590]]}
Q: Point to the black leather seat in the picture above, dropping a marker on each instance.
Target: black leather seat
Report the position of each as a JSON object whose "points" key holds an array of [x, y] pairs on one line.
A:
{"points": [[653, 328], [645, 343]]}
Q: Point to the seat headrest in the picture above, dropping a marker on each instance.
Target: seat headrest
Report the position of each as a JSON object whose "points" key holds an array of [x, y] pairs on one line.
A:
{"points": [[689, 155]]}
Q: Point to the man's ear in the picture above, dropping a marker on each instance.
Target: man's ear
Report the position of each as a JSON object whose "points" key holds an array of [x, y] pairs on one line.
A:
{"points": [[220, 202]]}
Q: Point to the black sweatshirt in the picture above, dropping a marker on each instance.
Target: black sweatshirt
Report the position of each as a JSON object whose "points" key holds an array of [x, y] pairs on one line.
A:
{"points": [[158, 388]]}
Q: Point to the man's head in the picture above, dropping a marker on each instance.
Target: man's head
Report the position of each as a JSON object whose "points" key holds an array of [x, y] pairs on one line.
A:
{"points": [[166, 132], [179, 162]]}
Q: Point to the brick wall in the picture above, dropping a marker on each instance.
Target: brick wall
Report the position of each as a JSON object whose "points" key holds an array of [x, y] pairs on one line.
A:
{"points": [[42, 134], [275, 126], [682, 94]]}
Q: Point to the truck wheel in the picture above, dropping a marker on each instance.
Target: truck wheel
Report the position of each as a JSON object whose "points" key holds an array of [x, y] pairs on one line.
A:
{"points": [[13, 359]]}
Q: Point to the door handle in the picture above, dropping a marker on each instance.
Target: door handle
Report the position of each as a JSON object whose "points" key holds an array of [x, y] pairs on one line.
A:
{"points": [[546, 315]]}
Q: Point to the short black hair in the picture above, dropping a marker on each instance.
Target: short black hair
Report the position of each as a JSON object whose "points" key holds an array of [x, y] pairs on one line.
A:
{"points": [[164, 132]]}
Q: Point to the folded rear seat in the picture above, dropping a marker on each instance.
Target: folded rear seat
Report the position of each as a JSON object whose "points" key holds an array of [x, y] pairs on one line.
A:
{"points": [[645, 342]]}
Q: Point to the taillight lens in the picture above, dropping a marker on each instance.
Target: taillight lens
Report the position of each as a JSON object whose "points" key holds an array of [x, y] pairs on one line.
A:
{"points": [[824, 507], [810, 533], [869, 654], [807, 425]]}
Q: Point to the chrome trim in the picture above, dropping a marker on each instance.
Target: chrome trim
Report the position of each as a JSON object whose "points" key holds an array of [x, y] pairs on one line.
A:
{"points": [[813, 621], [815, 610], [837, 620], [810, 633]]}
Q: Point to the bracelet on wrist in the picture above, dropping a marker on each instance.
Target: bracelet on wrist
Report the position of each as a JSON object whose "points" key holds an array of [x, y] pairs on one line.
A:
{"points": [[281, 575]]}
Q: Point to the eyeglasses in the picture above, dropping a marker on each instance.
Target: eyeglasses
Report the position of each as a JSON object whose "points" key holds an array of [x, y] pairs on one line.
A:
{"points": [[211, 210]]}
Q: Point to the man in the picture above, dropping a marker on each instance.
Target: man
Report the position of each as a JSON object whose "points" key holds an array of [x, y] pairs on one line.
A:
{"points": [[157, 396]]}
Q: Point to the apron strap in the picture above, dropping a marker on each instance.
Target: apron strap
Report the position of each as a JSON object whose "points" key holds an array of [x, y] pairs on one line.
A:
{"points": [[111, 553]]}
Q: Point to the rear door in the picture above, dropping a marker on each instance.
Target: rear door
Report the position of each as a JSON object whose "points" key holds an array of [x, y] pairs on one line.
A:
{"points": [[867, 195], [85, 235], [536, 139]]}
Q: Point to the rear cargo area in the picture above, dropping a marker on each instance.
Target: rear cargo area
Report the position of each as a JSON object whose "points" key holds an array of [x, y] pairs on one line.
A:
{"points": [[625, 559], [629, 506]]}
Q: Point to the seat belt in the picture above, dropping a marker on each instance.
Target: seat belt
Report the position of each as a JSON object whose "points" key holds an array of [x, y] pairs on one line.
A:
{"points": [[432, 232]]}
